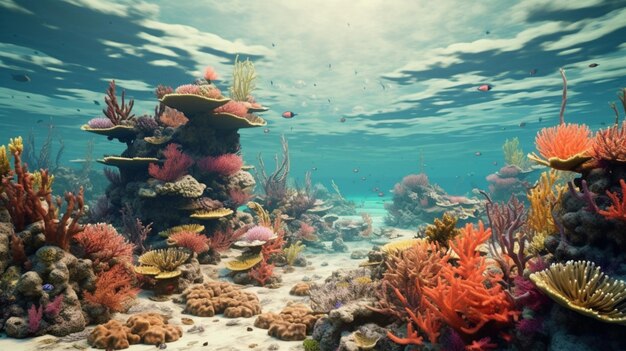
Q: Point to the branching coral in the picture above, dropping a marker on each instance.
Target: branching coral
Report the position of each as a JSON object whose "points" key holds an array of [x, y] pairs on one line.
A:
{"points": [[113, 289], [466, 296], [193, 241], [244, 76], [617, 210], [114, 112], [544, 199], [582, 287], [176, 164], [275, 184], [101, 243]]}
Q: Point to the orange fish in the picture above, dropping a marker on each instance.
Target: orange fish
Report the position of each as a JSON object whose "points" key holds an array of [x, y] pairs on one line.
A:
{"points": [[289, 114], [485, 87]]}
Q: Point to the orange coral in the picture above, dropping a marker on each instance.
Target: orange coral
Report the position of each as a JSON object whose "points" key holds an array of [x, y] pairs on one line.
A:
{"points": [[113, 289], [610, 144], [173, 118], [618, 209], [466, 296], [563, 141]]}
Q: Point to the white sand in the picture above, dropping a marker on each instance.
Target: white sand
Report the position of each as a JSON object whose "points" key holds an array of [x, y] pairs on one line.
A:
{"points": [[219, 335]]}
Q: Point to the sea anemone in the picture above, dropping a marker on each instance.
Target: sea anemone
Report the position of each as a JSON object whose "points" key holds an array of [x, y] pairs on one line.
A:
{"points": [[188, 89], [236, 108], [259, 233], [563, 141]]}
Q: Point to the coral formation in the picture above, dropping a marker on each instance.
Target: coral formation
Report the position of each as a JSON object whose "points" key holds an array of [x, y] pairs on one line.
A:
{"points": [[145, 328], [211, 298], [294, 322]]}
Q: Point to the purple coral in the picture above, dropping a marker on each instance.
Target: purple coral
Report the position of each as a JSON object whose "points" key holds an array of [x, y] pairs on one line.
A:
{"points": [[147, 125], [258, 232], [100, 123]]}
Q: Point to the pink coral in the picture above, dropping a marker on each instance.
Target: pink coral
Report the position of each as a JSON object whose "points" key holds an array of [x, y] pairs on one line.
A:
{"points": [[210, 74], [413, 181], [101, 243], [175, 166], [260, 233], [188, 89], [236, 108], [227, 164]]}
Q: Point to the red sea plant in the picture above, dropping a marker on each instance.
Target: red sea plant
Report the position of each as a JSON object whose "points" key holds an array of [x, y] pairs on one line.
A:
{"points": [[114, 112], [563, 141], [102, 244], [35, 314], [610, 144], [226, 164], [222, 240], [114, 289], [176, 164], [467, 296], [618, 208], [193, 241]]}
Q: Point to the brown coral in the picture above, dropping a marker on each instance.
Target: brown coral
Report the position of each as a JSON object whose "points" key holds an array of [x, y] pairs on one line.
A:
{"points": [[148, 328], [301, 289], [294, 322], [442, 230], [211, 298]]}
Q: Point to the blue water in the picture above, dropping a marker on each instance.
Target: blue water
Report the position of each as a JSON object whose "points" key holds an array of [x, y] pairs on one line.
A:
{"points": [[404, 75]]}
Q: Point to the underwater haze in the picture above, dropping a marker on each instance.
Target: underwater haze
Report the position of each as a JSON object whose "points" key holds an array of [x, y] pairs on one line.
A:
{"points": [[380, 89]]}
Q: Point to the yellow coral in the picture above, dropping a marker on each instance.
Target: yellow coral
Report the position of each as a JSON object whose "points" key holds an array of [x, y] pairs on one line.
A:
{"points": [[5, 166], [162, 263], [264, 217], [582, 287], [544, 198], [244, 263], [292, 251], [37, 181], [244, 75], [514, 155], [196, 228], [16, 145], [442, 230]]}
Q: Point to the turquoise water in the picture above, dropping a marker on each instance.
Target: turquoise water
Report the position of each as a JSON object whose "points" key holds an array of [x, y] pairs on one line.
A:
{"points": [[403, 75]]}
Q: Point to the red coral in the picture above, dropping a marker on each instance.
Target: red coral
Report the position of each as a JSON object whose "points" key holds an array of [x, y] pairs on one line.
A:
{"points": [[239, 197], [262, 272], [618, 208], [226, 164], [222, 240], [466, 297], [610, 144], [35, 314], [176, 164], [53, 308], [173, 118], [113, 289], [114, 112], [102, 243], [193, 241]]}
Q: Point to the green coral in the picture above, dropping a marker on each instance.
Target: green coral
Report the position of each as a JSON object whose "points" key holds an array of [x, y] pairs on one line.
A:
{"points": [[514, 155], [311, 345], [244, 76]]}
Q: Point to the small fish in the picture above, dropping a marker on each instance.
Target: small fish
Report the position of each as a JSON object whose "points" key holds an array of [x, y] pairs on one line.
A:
{"points": [[487, 32], [330, 66], [522, 124], [272, 82], [381, 194], [376, 189], [329, 101], [540, 119], [314, 84], [47, 287], [485, 87], [382, 85], [273, 45], [495, 163], [21, 78], [355, 72], [355, 170], [78, 110], [533, 71], [266, 130], [342, 120], [314, 169], [478, 153], [39, 120], [592, 65], [96, 103], [363, 178], [289, 114]]}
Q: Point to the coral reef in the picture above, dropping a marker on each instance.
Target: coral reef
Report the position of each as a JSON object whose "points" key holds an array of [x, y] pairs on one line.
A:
{"points": [[294, 322], [211, 298], [145, 328]]}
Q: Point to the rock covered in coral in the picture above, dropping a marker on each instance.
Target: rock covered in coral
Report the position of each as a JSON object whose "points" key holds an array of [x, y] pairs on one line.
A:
{"points": [[186, 186], [294, 322], [146, 328], [301, 289], [211, 298]]}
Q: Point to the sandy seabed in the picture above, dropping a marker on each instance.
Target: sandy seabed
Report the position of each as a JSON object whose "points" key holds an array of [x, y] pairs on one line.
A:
{"points": [[231, 334]]}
